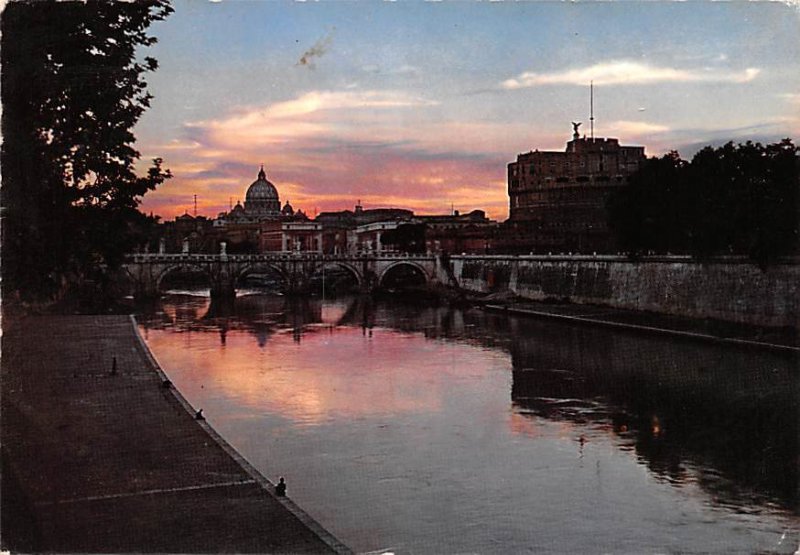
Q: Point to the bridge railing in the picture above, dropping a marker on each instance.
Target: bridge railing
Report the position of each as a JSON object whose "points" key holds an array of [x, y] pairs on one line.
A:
{"points": [[145, 258], [153, 258]]}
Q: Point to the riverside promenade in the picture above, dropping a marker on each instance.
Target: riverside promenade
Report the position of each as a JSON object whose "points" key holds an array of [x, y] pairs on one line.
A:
{"points": [[97, 461]]}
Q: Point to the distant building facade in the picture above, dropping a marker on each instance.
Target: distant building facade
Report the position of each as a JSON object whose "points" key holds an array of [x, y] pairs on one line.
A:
{"points": [[557, 199], [262, 225], [359, 230], [301, 236], [472, 233]]}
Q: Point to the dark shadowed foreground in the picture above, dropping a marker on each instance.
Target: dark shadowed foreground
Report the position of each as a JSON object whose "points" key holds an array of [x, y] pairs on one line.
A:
{"points": [[98, 460]]}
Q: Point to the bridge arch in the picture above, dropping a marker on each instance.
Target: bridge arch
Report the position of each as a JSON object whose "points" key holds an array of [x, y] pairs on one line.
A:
{"points": [[349, 268], [186, 267], [263, 267], [404, 266]]}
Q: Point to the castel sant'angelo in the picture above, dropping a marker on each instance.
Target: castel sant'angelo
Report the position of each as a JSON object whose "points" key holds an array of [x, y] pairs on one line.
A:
{"points": [[557, 199]]}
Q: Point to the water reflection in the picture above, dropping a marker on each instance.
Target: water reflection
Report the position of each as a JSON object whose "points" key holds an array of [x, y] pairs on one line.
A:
{"points": [[270, 320], [261, 315], [699, 417], [724, 417]]}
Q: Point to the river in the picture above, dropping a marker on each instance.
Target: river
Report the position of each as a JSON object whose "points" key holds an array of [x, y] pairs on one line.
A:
{"points": [[411, 428]]}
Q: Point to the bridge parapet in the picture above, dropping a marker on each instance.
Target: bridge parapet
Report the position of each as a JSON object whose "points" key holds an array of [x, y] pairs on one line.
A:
{"points": [[150, 258], [296, 269]]}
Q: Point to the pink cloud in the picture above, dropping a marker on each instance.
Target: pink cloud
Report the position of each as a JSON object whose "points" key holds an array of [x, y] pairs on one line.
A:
{"points": [[325, 150]]}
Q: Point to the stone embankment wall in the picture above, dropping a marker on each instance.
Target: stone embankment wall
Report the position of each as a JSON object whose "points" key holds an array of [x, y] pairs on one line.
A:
{"points": [[730, 289]]}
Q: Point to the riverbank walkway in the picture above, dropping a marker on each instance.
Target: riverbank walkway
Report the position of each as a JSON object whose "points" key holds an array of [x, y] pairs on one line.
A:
{"points": [[105, 460], [779, 339]]}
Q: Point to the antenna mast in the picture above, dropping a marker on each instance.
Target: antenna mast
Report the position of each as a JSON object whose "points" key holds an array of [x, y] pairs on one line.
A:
{"points": [[195, 206], [591, 107]]}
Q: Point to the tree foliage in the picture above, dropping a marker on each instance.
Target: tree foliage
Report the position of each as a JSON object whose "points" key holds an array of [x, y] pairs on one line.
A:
{"points": [[735, 199], [73, 89]]}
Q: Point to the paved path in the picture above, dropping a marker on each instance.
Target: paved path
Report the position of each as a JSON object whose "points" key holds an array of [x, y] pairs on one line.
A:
{"points": [[95, 462]]}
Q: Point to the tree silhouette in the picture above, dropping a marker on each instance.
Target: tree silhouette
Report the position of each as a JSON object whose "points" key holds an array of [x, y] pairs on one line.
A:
{"points": [[645, 214], [735, 199], [73, 89]]}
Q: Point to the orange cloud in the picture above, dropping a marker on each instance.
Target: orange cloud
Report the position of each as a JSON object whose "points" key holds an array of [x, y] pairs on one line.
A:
{"points": [[324, 150]]}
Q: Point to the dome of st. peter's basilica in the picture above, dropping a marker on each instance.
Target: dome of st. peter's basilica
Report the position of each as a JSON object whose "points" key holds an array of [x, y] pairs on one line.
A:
{"points": [[262, 197]]}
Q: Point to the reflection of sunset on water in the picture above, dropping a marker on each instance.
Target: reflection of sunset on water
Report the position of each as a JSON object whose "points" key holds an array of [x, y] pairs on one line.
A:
{"points": [[311, 382], [459, 424], [524, 425], [187, 312], [333, 312]]}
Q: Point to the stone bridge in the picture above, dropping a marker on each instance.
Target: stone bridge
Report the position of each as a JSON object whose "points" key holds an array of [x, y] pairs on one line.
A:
{"points": [[227, 271]]}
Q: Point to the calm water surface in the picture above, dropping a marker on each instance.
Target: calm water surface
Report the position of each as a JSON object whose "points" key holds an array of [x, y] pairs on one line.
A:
{"points": [[417, 429]]}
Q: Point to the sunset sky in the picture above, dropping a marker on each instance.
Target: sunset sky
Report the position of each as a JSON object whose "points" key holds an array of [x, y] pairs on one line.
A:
{"points": [[421, 105]]}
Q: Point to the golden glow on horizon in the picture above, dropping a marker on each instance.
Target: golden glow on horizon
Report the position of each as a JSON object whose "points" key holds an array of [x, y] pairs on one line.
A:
{"points": [[426, 187], [324, 150], [210, 203]]}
